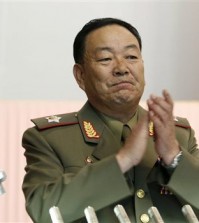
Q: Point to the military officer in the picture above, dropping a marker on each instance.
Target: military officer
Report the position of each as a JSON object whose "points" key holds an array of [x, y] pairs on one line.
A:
{"points": [[84, 158]]}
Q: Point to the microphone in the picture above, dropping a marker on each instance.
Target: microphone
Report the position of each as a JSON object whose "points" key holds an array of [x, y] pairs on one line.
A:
{"points": [[90, 215], [2, 178], [189, 214], [55, 215], [121, 214], [155, 215]]}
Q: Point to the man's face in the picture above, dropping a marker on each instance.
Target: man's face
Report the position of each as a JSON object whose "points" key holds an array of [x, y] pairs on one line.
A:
{"points": [[112, 72]]}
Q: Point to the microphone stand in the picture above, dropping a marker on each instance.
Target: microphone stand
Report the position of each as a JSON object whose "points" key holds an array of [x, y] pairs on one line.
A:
{"points": [[2, 178]]}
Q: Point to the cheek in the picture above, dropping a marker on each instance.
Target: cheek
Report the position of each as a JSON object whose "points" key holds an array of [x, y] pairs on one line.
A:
{"points": [[138, 72], [92, 82], [99, 75]]}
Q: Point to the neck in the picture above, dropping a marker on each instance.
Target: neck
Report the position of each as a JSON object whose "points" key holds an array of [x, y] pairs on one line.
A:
{"points": [[120, 113]]}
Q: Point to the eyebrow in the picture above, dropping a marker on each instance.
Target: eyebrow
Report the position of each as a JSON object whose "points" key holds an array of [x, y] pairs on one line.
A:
{"points": [[131, 46]]}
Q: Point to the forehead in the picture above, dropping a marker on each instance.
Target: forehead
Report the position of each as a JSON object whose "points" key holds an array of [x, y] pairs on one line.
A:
{"points": [[110, 35]]}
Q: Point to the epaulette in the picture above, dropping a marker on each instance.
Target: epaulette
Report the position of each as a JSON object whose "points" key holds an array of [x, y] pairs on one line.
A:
{"points": [[182, 122], [55, 121]]}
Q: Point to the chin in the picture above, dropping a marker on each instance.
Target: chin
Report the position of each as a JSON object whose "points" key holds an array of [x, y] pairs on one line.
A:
{"points": [[125, 100], [128, 97]]}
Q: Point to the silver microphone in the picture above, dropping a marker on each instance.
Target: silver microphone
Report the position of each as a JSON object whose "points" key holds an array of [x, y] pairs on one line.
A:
{"points": [[55, 215], [2, 178], [155, 215], [121, 214], [189, 214], [90, 215]]}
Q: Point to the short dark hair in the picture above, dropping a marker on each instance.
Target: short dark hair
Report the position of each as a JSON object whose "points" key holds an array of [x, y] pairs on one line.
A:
{"points": [[79, 42]]}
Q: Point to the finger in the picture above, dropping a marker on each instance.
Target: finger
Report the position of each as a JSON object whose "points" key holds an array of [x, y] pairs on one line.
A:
{"points": [[160, 103], [156, 120], [156, 110], [167, 97]]}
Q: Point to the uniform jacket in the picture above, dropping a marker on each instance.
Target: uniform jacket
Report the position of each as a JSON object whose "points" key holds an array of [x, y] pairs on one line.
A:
{"points": [[71, 164]]}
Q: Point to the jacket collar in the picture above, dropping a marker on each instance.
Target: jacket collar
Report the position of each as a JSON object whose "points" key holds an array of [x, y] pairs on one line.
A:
{"points": [[90, 123], [95, 131]]}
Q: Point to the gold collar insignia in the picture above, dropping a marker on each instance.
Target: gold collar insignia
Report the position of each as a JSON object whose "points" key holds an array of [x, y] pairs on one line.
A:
{"points": [[90, 131], [151, 128]]}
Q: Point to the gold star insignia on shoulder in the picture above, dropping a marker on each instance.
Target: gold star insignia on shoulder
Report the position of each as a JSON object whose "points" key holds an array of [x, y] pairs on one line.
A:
{"points": [[175, 119], [53, 118], [90, 131]]}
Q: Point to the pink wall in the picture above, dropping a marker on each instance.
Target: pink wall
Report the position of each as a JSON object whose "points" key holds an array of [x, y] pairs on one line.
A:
{"points": [[15, 118]]}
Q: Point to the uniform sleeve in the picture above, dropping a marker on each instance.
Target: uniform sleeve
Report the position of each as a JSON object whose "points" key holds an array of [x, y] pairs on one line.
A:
{"points": [[48, 184], [184, 180]]}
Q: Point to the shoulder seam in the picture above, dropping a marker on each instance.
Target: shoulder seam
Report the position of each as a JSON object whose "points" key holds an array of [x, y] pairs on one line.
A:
{"points": [[56, 125]]}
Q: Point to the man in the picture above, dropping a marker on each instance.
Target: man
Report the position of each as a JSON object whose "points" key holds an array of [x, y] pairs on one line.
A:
{"points": [[82, 159]]}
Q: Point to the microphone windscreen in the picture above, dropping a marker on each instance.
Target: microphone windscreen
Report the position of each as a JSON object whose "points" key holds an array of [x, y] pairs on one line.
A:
{"points": [[55, 215], [155, 215], [121, 214], [90, 215], [189, 214]]}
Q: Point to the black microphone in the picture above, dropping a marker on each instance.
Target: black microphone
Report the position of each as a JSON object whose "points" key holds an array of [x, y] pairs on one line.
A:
{"points": [[155, 215], [55, 215], [121, 214], [189, 214], [91, 217], [2, 178]]}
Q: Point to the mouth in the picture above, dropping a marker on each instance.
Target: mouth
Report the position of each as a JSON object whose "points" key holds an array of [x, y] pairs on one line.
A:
{"points": [[123, 83], [123, 86]]}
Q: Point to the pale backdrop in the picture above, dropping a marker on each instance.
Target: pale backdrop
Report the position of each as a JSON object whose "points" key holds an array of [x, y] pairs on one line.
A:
{"points": [[36, 40]]}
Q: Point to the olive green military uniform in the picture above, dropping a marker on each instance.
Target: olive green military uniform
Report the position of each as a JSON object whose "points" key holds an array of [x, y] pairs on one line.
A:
{"points": [[71, 164]]}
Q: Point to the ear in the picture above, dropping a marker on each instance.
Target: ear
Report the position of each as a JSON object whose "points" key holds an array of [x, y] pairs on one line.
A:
{"points": [[79, 75]]}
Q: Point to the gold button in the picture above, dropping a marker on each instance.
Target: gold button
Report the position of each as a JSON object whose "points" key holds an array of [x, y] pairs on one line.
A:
{"points": [[144, 218], [140, 193], [88, 159]]}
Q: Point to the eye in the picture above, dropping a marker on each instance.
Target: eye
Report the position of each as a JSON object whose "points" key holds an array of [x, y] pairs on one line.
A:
{"points": [[104, 59], [132, 57]]}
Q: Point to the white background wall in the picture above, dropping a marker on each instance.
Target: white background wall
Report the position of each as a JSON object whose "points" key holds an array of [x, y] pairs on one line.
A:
{"points": [[36, 40]]}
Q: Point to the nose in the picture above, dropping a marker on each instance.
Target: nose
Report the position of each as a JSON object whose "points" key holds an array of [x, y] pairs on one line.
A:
{"points": [[120, 68]]}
